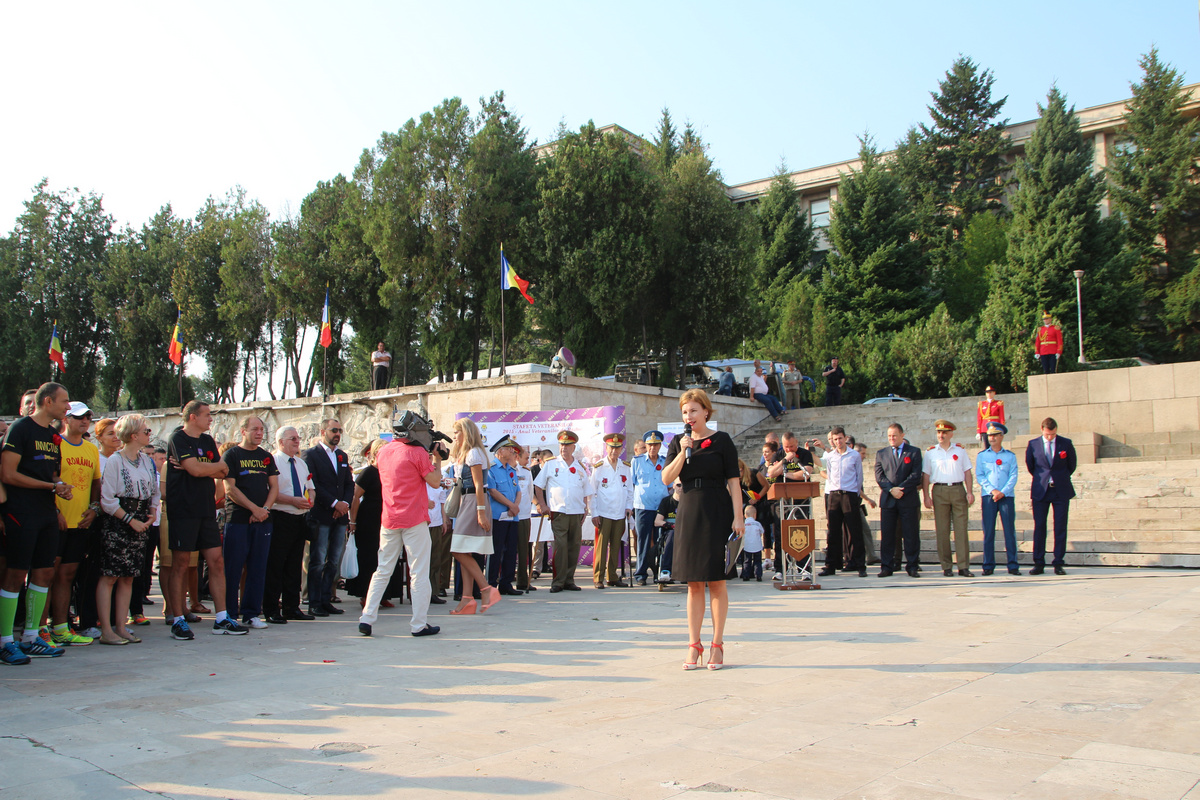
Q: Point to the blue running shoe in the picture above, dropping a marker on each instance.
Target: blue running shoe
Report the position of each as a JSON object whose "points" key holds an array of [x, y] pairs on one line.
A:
{"points": [[11, 654], [180, 630], [38, 648]]}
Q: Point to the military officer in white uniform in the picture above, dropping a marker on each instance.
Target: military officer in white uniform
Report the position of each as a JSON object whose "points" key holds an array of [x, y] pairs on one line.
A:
{"points": [[562, 489], [612, 505], [946, 485]]}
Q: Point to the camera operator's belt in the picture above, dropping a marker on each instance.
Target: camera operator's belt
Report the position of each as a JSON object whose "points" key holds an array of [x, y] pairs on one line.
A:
{"points": [[702, 483]]}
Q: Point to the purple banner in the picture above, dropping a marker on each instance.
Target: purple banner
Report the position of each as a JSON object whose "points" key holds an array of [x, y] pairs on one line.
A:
{"points": [[539, 429]]}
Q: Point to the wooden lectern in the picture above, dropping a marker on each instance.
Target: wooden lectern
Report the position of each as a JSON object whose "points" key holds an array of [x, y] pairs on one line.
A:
{"points": [[798, 532]]}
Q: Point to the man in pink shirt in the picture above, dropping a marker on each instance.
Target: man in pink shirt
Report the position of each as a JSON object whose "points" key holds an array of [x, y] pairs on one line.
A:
{"points": [[404, 470]]}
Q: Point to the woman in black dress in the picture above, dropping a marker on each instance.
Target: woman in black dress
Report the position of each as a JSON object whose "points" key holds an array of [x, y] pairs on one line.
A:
{"points": [[707, 515]]}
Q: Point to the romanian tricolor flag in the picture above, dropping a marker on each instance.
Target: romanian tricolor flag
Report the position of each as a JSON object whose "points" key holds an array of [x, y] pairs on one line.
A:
{"points": [[326, 331], [175, 351], [56, 354], [509, 279]]}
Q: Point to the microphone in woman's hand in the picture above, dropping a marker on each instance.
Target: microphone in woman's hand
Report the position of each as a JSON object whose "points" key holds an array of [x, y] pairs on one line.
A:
{"points": [[687, 431]]}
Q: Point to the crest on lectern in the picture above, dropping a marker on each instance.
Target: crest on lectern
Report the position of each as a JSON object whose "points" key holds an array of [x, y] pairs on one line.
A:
{"points": [[799, 537]]}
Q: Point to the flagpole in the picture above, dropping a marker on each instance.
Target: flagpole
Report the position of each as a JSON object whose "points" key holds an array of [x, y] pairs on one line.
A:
{"points": [[503, 340], [181, 356]]}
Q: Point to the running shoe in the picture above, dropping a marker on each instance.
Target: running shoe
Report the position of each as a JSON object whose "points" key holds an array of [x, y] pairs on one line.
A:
{"points": [[11, 654], [45, 634], [39, 649], [255, 622], [180, 630], [70, 639], [92, 632], [139, 619], [230, 627]]}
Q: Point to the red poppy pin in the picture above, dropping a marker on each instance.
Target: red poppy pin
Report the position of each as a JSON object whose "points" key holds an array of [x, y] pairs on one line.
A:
{"points": [[57, 439], [705, 443], [955, 456], [999, 462], [572, 470], [511, 475], [209, 454], [907, 460], [1062, 453], [658, 467], [622, 479], [604, 482], [267, 461]]}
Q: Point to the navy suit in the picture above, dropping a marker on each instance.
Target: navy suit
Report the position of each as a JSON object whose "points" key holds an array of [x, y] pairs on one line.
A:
{"points": [[1051, 487], [904, 473], [329, 534]]}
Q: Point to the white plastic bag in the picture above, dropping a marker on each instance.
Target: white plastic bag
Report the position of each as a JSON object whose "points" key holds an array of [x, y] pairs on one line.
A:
{"points": [[349, 567]]}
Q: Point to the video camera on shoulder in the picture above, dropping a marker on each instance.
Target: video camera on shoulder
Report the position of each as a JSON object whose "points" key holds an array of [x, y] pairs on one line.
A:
{"points": [[412, 428]]}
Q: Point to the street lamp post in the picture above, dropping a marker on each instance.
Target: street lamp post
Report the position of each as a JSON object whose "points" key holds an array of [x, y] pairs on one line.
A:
{"points": [[1079, 312]]}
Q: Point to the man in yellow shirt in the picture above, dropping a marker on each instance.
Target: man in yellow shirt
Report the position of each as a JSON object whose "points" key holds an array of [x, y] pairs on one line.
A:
{"points": [[81, 471]]}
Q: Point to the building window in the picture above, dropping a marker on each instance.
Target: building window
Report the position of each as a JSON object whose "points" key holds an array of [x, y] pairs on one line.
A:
{"points": [[818, 213]]}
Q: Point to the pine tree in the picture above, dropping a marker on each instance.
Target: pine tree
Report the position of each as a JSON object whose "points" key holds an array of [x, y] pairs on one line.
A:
{"points": [[1155, 186], [954, 170], [1056, 229], [875, 275], [787, 240]]}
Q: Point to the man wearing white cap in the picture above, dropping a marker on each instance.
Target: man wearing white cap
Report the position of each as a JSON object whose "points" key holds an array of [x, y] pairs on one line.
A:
{"points": [[81, 469]]}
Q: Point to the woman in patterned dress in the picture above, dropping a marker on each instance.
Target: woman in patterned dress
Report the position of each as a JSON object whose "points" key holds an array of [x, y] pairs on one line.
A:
{"points": [[129, 494]]}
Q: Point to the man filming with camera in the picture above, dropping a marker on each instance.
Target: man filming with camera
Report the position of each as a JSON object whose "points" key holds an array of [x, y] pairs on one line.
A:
{"points": [[405, 467]]}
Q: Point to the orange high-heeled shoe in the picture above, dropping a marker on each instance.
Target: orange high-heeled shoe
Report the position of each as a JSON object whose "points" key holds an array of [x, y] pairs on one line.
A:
{"points": [[713, 649], [495, 593], [469, 608], [690, 665]]}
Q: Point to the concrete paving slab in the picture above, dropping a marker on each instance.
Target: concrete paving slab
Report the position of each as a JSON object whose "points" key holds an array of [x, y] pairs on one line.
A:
{"points": [[1084, 686]]}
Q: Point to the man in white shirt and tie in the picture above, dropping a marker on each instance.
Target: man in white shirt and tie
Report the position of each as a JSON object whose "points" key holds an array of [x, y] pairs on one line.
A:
{"points": [[281, 591]]}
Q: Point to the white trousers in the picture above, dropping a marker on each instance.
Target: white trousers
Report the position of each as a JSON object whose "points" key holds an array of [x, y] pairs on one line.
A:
{"points": [[417, 542]]}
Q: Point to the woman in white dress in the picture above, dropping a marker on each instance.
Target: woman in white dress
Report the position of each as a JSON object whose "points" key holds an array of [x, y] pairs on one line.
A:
{"points": [[473, 525]]}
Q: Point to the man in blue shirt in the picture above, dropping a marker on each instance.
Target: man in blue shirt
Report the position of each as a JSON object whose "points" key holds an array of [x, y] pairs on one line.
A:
{"points": [[996, 471], [648, 492], [843, 501], [504, 492], [726, 383]]}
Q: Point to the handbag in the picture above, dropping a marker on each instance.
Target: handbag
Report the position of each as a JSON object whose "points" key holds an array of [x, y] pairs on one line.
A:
{"points": [[454, 500], [349, 568]]}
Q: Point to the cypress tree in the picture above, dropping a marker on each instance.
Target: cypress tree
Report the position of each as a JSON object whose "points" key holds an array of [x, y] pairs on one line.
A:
{"points": [[1056, 228], [1155, 187], [875, 275]]}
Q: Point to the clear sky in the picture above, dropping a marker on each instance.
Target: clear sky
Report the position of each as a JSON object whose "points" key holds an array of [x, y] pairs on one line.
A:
{"points": [[154, 103]]}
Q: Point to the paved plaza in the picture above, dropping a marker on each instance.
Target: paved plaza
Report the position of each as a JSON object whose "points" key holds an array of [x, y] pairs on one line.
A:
{"points": [[1082, 686]]}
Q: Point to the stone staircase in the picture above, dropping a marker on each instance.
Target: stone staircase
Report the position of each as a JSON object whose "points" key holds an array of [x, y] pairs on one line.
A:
{"points": [[868, 424], [1133, 508], [1173, 446]]}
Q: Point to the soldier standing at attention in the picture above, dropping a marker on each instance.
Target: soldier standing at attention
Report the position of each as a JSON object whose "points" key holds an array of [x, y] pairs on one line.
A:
{"points": [[1048, 344], [947, 469], [988, 410]]}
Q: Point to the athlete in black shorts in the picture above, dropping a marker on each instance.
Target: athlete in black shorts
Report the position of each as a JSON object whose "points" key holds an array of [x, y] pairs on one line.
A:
{"points": [[29, 469]]}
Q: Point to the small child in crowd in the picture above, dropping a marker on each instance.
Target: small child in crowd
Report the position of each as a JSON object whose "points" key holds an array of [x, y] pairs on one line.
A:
{"points": [[752, 546]]}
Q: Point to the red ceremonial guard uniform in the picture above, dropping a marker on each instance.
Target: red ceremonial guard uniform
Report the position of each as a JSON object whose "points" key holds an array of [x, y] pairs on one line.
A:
{"points": [[1048, 344], [987, 411]]}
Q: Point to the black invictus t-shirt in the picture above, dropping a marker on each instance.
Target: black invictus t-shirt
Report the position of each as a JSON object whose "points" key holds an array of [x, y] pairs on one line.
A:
{"points": [[251, 471], [189, 497], [38, 447]]}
